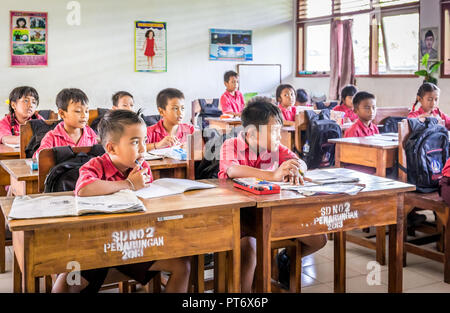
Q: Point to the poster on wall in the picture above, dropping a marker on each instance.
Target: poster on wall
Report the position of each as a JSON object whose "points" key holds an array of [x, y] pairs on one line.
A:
{"points": [[230, 45], [29, 38], [429, 43], [150, 46]]}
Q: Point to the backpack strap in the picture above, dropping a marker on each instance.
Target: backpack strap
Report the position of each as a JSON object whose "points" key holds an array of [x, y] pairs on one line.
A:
{"points": [[215, 102], [62, 153]]}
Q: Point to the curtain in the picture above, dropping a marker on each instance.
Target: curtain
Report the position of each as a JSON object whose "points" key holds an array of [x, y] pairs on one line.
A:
{"points": [[342, 63]]}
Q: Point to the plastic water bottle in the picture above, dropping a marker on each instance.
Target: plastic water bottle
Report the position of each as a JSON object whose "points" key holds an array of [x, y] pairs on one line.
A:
{"points": [[306, 147]]}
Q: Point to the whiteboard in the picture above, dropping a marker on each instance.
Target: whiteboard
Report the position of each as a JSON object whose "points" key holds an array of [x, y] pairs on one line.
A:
{"points": [[261, 78]]}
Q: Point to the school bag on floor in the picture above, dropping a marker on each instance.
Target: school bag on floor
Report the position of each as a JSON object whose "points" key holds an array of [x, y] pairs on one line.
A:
{"points": [[40, 128], [64, 175], [317, 151], [390, 124], [426, 153], [207, 110]]}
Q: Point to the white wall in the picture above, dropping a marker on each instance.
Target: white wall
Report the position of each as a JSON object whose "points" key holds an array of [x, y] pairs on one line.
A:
{"points": [[390, 91], [98, 55]]}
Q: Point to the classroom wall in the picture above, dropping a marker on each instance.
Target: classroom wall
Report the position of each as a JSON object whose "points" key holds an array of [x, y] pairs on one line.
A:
{"points": [[98, 55], [390, 91]]}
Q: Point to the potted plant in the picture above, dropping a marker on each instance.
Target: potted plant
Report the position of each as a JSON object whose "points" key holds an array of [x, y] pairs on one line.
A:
{"points": [[428, 72]]}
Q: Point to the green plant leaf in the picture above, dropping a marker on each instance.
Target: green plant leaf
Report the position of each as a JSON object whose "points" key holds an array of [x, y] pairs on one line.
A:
{"points": [[435, 67], [425, 58], [423, 73]]}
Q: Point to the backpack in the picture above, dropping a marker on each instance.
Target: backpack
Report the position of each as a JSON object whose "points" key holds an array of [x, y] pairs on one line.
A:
{"points": [[390, 124], [64, 175], [45, 114], [318, 152], [426, 153], [208, 110], [40, 128], [209, 166], [94, 124], [151, 119], [321, 105]]}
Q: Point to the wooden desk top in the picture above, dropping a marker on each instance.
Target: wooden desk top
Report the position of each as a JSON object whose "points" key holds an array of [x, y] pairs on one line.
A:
{"points": [[166, 163], [218, 120], [375, 185], [20, 169], [288, 128], [8, 151], [189, 202], [372, 141]]}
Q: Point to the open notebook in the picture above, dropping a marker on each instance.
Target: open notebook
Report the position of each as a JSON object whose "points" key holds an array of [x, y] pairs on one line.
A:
{"points": [[170, 186], [174, 152], [123, 201]]}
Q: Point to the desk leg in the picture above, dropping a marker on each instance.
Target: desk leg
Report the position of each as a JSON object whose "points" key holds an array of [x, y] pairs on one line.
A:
{"points": [[219, 272], [381, 230], [339, 262], [17, 276], [236, 258], [2, 243], [28, 266], [381, 162], [447, 252], [395, 284], [263, 255], [337, 155]]}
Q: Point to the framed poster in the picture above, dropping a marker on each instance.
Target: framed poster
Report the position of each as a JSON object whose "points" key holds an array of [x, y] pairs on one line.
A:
{"points": [[429, 43], [150, 46], [29, 38], [230, 45]]}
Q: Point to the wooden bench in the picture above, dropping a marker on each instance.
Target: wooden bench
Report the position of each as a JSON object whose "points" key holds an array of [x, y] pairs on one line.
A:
{"points": [[384, 112], [429, 201], [26, 133]]}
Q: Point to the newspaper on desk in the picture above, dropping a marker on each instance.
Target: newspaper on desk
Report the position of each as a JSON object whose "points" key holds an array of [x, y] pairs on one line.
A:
{"points": [[25, 207]]}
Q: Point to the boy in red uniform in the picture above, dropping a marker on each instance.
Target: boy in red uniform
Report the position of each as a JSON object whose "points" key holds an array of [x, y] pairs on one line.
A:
{"points": [[232, 101], [365, 108]]}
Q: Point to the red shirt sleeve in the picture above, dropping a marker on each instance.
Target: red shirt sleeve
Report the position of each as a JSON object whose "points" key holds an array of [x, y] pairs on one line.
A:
{"points": [[225, 105], [89, 173], [5, 128], [228, 157], [46, 143]]}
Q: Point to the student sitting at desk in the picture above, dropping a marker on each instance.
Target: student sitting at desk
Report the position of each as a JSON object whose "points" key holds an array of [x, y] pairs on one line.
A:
{"points": [[285, 95], [232, 101], [428, 97], [122, 134], [257, 152], [22, 107], [302, 98], [122, 100], [73, 131], [365, 108], [346, 104], [169, 131]]}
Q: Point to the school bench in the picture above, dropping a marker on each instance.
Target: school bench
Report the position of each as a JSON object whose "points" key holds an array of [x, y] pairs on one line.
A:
{"points": [[184, 225], [429, 201], [288, 215], [26, 133], [384, 112]]}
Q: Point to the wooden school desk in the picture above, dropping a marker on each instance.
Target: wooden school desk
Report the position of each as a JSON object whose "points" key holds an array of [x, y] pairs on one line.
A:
{"points": [[181, 225], [22, 178], [223, 125], [6, 153], [289, 215]]}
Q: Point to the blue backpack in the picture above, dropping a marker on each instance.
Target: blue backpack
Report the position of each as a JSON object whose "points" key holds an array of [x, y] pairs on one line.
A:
{"points": [[426, 153], [318, 152]]}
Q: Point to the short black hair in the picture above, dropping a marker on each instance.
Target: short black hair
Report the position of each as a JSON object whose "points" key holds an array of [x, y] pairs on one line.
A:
{"points": [[21, 19], [112, 125], [302, 95], [429, 34], [347, 91], [70, 94], [360, 96], [258, 112], [281, 88], [116, 97], [167, 94], [228, 75]]}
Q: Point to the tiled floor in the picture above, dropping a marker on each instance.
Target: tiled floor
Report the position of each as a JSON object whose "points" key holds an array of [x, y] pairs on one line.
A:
{"points": [[421, 275]]}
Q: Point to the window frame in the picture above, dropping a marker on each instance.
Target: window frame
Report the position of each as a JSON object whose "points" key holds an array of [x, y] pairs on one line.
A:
{"points": [[444, 5], [373, 37]]}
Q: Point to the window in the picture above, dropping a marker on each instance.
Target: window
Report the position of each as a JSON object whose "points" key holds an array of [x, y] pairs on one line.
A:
{"points": [[445, 32], [385, 35]]}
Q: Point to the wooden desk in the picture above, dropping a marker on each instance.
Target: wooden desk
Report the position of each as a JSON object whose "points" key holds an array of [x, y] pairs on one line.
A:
{"points": [[288, 136], [366, 151], [181, 225], [288, 215], [222, 125], [22, 178], [6, 153]]}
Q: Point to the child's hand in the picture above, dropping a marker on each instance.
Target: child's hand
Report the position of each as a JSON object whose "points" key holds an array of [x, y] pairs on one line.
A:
{"points": [[168, 141], [139, 178], [289, 172]]}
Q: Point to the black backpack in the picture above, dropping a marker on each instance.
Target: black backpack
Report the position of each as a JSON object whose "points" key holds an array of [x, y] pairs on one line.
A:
{"points": [[210, 164], [151, 119], [207, 110], [426, 153], [40, 128], [318, 152], [64, 176], [45, 114], [390, 124], [94, 124], [321, 105]]}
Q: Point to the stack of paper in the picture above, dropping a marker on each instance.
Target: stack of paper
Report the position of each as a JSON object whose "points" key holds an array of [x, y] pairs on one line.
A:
{"points": [[26, 207], [170, 186]]}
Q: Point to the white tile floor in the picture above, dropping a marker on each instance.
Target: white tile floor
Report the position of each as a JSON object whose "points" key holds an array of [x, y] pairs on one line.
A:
{"points": [[421, 274]]}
